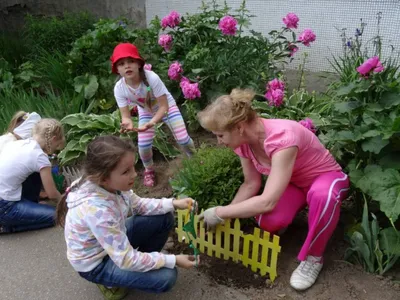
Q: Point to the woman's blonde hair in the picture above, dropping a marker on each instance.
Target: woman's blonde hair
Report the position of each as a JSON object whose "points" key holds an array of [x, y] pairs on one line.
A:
{"points": [[228, 110], [16, 120], [47, 128]]}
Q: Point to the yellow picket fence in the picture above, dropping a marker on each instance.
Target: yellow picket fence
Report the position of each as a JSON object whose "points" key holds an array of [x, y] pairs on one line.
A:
{"points": [[257, 250]]}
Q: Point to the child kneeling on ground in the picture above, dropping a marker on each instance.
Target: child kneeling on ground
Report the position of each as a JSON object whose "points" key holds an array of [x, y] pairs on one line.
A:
{"points": [[19, 160], [106, 246]]}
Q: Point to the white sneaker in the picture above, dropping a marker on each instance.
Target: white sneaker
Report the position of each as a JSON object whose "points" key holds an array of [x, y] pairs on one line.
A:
{"points": [[306, 273]]}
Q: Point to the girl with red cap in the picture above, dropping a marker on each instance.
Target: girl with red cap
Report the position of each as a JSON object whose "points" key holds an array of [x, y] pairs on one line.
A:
{"points": [[144, 89]]}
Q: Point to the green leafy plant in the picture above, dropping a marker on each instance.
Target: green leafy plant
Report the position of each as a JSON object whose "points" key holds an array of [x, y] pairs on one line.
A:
{"points": [[52, 69], [361, 127], [212, 177], [83, 128], [300, 104], [376, 249], [382, 185]]}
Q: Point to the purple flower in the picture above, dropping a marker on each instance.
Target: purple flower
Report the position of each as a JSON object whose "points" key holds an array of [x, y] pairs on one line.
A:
{"points": [[291, 20], [122, 24], [175, 70], [307, 37], [228, 25], [308, 123]]}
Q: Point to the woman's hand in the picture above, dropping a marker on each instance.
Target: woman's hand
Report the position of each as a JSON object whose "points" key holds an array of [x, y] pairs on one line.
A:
{"points": [[211, 219], [185, 203], [186, 261], [126, 125]]}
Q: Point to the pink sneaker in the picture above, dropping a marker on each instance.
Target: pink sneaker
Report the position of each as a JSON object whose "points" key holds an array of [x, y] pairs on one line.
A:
{"points": [[149, 178]]}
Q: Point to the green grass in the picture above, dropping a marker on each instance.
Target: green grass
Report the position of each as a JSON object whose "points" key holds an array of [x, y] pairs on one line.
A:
{"points": [[48, 105]]}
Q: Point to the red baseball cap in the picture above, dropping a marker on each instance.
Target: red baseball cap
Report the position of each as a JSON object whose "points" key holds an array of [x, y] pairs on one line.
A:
{"points": [[124, 50]]}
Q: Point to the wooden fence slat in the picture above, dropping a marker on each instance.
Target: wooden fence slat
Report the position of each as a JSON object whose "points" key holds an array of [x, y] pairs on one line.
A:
{"points": [[211, 243]]}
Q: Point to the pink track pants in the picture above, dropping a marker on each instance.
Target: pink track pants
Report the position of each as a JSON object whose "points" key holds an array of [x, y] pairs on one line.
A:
{"points": [[323, 198]]}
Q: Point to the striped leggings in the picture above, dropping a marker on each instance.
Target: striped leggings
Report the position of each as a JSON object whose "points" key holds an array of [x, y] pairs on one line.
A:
{"points": [[175, 123]]}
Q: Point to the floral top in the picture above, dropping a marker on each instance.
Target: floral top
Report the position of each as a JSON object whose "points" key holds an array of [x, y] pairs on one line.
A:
{"points": [[95, 227]]}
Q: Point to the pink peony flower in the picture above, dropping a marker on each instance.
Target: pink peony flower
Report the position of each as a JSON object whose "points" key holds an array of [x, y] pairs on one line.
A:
{"points": [[175, 70], [275, 84], [291, 20], [228, 25], [147, 67], [175, 19], [372, 64], [172, 20], [307, 37], [184, 80], [275, 92], [165, 41], [190, 90], [275, 97], [293, 49], [308, 123], [165, 22]]}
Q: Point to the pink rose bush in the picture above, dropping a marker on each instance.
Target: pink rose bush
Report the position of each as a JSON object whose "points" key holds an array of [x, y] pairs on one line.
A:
{"points": [[228, 25], [372, 64]]}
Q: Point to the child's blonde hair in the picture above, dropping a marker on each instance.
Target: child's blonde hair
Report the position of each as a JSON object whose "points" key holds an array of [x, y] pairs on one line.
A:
{"points": [[46, 129], [16, 120], [228, 110]]}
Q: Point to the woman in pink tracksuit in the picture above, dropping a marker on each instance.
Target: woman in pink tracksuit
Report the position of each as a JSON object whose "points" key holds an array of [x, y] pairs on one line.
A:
{"points": [[301, 172]]}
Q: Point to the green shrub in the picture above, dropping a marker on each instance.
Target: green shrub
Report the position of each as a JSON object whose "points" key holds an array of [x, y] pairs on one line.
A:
{"points": [[13, 48], [56, 33], [212, 177]]}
